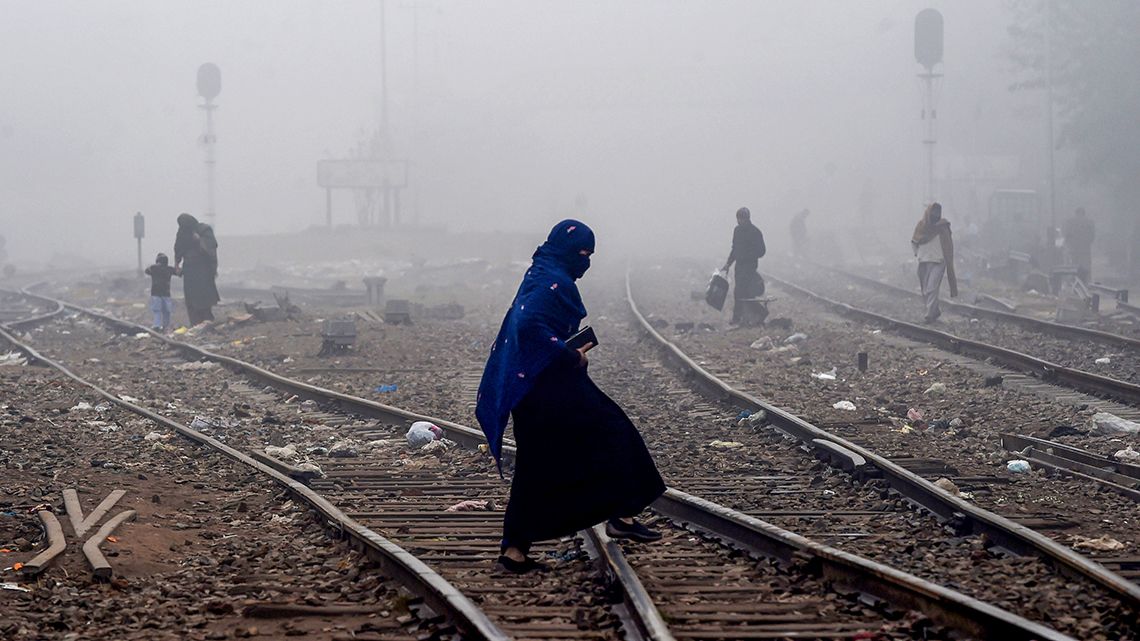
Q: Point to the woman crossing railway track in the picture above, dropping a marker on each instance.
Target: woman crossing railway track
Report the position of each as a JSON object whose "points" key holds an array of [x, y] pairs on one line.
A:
{"points": [[581, 460]]}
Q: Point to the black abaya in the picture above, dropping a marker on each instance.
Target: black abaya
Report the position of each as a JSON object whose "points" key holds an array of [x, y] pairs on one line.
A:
{"points": [[580, 459]]}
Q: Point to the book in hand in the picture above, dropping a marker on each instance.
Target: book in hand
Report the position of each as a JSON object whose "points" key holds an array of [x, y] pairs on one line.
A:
{"points": [[584, 337]]}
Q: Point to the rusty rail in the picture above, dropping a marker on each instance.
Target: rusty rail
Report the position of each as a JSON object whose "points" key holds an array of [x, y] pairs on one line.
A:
{"points": [[1047, 371], [1036, 324], [941, 604], [962, 515], [395, 562]]}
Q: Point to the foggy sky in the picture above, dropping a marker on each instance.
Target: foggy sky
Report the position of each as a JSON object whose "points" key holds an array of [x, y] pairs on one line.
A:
{"points": [[663, 115]]}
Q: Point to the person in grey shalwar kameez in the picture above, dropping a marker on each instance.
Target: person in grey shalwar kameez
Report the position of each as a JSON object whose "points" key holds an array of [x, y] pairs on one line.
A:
{"points": [[934, 248]]}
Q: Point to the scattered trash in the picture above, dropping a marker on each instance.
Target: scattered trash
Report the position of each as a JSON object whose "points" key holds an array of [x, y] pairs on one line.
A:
{"points": [[287, 452], [471, 505], [1128, 455], [1106, 423], [845, 405], [565, 555], [916, 415], [13, 359], [795, 338], [385, 388], [13, 586], [310, 467], [343, 449], [309, 405], [940, 424], [1103, 361], [956, 423], [105, 406], [439, 445], [421, 433], [764, 343], [826, 376], [287, 359], [193, 365], [278, 519], [156, 436], [82, 406], [104, 427], [946, 485], [201, 423], [1064, 430], [1100, 544], [142, 335], [725, 445], [751, 418], [935, 389], [1018, 466], [484, 448], [181, 330], [318, 450]]}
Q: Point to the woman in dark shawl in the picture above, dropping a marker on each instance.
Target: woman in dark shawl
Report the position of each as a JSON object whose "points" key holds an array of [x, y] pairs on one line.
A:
{"points": [[580, 460], [196, 254]]}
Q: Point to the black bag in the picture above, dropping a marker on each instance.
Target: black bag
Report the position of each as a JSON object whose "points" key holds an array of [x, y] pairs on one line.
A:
{"points": [[717, 291]]}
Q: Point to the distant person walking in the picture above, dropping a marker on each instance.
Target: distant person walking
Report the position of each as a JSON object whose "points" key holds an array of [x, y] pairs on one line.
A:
{"points": [[799, 231], [161, 304], [1079, 232], [196, 254], [580, 460], [747, 249], [934, 248]]}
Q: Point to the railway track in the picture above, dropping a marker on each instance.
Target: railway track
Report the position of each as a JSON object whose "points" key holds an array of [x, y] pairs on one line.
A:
{"points": [[1051, 328], [1048, 371], [370, 491], [956, 513]]}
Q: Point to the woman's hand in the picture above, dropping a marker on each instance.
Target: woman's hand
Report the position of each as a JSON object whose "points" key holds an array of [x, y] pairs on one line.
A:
{"points": [[582, 360]]}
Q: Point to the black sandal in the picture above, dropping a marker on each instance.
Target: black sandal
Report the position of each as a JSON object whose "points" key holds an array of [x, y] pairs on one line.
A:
{"points": [[521, 567], [618, 529]]}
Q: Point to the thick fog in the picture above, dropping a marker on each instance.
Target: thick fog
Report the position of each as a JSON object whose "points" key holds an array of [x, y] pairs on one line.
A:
{"points": [[653, 120]]}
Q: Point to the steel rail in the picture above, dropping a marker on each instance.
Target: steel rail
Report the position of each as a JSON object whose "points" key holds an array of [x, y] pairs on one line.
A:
{"points": [[395, 562], [963, 516], [1037, 324], [1122, 478], [651, 626], [345, 402], [36, 319], [942, 605], [1045, 370]]}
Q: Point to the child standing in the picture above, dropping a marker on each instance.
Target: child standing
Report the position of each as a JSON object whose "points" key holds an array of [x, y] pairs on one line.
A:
{"points": [[160, 302]]}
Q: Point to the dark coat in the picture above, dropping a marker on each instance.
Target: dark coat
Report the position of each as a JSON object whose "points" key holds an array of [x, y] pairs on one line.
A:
{"points": [[199, 261], [580, 459], [747, 245]]}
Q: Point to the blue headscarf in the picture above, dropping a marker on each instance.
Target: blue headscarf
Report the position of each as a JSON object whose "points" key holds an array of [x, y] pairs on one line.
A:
{"points": [[546, 311]]}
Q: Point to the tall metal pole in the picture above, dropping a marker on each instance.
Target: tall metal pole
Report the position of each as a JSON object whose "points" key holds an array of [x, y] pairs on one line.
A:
{"points": [[383, 75], [415, 108], [210, 139], [385, 196], [929, 114], [1049, 111]]}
